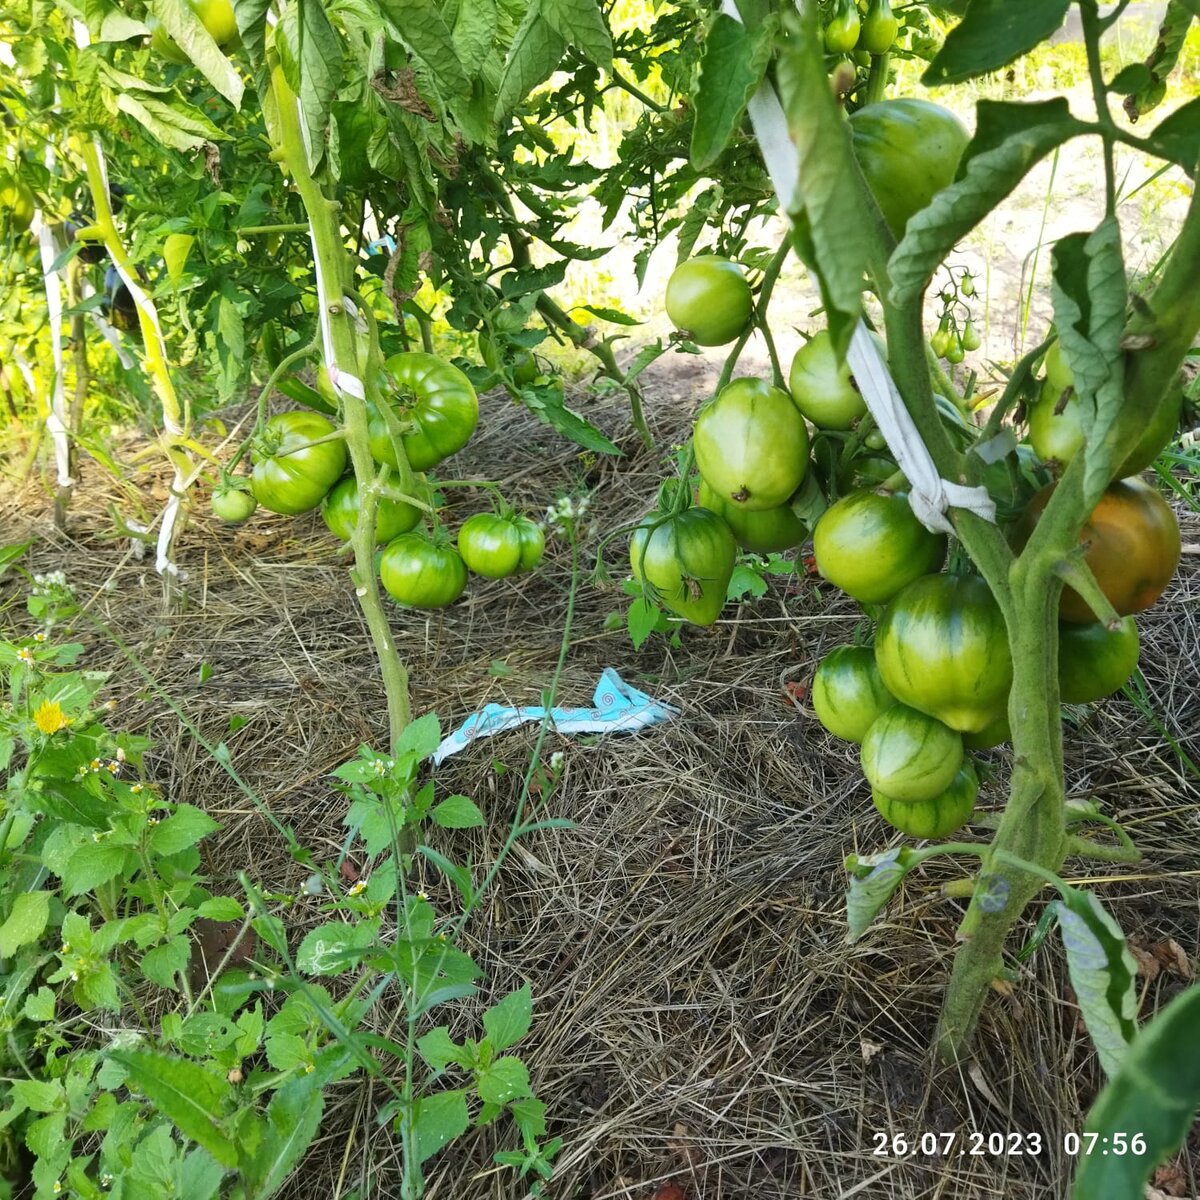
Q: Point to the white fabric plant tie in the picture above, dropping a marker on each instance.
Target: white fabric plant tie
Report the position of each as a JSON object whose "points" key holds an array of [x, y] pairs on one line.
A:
{"points": [[163, 562], [56, 424], [929, 494]]}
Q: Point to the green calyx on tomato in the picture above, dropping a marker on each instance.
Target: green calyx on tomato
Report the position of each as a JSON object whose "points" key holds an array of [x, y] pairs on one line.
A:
{"points": [[16, 202], [908, 755], [496, 546], [767, 531], [751, 445], [848, 693], [518, 362], [436, 399], [233, 504], [420, 573], [879, 28], [341, 506], [1131, 545], [942, 647], [871, 545], [909, 151], [821, 386], [842, 30], [687, 560], [936, 818], [708, 298], [291, 475], [1095, 661]]}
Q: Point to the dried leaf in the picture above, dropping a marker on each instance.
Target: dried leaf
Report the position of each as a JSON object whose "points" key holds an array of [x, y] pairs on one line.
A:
{"points": [[869, 1049]]}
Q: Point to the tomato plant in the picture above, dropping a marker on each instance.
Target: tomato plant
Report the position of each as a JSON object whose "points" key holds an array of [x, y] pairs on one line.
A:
{"points": [[340, 509], [821, 385], [708, 298], [942, 647], [871, 546], [908, 150], [751, 445], [687, 560], [296, 461], [420, 573], [848, 692], [937, 817], [910, 756], [436, 399], [1131, 546]]}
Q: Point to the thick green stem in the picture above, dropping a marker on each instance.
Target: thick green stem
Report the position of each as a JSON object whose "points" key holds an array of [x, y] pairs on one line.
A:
{"points": [[877, 80], [331, 257]]}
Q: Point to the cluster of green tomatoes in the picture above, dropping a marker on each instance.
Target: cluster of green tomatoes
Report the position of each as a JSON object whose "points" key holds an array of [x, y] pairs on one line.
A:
{"points": [[430, 412]]}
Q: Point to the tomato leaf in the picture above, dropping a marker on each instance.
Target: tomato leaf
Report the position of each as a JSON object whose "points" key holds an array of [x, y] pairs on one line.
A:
{"points": [[734, 61], [873, 880], [581, 24], [422, 28], [179, 19], [310, 53], [642, 619], [474, 33], [993, 34], [533, 57], [1009, 140], [1102, 973], [1177, 137], [832, 194], [1156, 1093]]}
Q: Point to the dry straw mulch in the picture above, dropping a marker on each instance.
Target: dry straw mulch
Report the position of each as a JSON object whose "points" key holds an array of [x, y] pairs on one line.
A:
{"points": [[700, 1019]]}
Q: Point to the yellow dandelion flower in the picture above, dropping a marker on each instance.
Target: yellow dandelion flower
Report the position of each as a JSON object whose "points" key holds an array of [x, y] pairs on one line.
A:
{"points": [[49, 717]]}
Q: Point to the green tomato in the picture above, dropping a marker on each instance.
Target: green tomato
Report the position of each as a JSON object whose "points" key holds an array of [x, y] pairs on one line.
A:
{"points": [[942, 648], [821, 386], [687, 560], [16, 202], [870, 545], [841, 33], [767, 531], [940, 341], [991, 735], [435, 397], [908, 150], [1095, 661], [233, 505], [936, 818], [751, 445], [970, 336], [340, 511], [1058, 370], [490, 545], [910, 756], [709, 299], [875, 440], [879, 28], [848, 693], [521, 365], [290, 475], [533, 543], [954, 351], [419, 573]]}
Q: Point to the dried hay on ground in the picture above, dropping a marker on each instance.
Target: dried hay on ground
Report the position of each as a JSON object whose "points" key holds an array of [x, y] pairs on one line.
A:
{"points": [[699, 1015]]}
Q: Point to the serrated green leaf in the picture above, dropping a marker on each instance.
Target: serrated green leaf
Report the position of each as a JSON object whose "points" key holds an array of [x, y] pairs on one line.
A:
{"points": [[310, 52], [438, 1120], [745, 581], [1090, 298], [176, 125], [293, 1118], [420, 737], [642, 620], [508, 1022], [831, 191], [1010, 139], [221, 908], [189, 1095], [732, 66], [1155, 1094], [92, 864], [613, 315], [439, 1049], [176, 248], [533, 57], [25, 923], [332, 948], [993, 34], [504, 1080], [1177, 137], [580, 23], [458, 812], [183, 828], [1102, 973]]}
